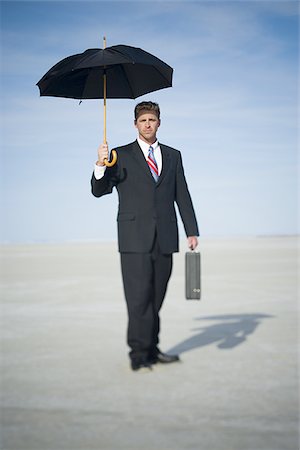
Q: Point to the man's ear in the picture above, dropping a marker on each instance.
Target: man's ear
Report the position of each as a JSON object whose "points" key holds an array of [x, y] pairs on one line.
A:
{"points": [[134, 123]]}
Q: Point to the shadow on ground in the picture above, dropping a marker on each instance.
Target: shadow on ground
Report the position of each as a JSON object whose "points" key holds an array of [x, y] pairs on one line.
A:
{"points": [[229, 332]]}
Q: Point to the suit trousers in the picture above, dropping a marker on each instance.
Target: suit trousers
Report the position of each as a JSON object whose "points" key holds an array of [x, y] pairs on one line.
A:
{"points": [[145, 280]]}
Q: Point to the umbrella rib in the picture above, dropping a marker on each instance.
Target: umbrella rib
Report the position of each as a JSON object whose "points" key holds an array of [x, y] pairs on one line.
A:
{"points": [[87, 56], [125, 75], [167, 80], [130, 60]]}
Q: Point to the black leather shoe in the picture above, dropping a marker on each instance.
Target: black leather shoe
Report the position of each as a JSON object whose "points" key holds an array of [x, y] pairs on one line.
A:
{"points": [[163, 358], [137, 364]]}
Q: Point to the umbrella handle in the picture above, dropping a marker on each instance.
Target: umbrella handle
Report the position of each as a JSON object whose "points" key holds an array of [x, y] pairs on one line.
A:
{"points": [[113, 160]]}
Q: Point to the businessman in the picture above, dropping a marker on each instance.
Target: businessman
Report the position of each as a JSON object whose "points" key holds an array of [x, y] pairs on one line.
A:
{"points": [[149, 178]]}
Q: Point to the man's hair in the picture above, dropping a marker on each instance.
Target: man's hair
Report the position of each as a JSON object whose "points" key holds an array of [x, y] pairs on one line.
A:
{"points": [[146, 107]]}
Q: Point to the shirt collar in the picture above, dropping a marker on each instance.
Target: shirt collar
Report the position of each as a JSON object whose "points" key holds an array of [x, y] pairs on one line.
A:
{"points": [[145, 146]]}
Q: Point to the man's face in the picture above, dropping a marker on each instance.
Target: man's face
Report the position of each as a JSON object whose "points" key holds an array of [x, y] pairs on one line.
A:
{"points": [[147, 124]]}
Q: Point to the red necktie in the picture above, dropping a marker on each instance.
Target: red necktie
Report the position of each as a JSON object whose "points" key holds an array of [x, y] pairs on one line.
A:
{"points": [[152, 163]]}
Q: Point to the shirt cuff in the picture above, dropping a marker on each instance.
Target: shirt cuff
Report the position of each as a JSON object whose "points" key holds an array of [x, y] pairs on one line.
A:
{"points": [[99, 171]]}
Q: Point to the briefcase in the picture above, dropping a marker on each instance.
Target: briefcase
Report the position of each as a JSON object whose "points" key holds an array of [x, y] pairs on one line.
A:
{"points": [[192, 276]]}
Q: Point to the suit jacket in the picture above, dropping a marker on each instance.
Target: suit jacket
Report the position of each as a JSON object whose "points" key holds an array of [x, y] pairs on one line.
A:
{"points": [[146, 207]]}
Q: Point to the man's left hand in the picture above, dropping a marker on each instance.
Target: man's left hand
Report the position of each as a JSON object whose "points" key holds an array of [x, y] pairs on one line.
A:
{"points": [[192, 242]]}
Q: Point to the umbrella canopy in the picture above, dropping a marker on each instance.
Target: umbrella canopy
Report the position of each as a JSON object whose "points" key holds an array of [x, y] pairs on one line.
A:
{"points": [[130, 72]]}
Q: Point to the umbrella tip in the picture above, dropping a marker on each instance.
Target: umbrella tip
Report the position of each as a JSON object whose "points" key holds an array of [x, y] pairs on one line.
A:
{"points": [[104, 42]]}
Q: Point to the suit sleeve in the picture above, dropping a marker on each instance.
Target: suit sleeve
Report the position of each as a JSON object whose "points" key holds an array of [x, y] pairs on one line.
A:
{"points": [[184, 202], [106, 184]]}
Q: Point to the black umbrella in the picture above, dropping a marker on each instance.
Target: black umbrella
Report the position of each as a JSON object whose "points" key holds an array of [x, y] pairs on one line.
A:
{"points": [[119, 71]]}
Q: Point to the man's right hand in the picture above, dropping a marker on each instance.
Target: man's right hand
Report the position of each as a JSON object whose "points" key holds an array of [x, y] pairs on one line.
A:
{"points": [[102, 154]]}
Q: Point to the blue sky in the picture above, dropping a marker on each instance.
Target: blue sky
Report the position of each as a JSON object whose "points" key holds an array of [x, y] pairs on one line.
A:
{"points": [[232, 111]]}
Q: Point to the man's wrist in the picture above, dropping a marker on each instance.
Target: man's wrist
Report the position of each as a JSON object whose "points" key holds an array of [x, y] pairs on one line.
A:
{"points": [[99, 171]]}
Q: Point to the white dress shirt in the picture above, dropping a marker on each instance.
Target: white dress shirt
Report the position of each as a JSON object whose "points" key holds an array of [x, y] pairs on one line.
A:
{"points": [[100, 170]]}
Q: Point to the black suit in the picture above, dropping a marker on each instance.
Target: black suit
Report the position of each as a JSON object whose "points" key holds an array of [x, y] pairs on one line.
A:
{"points": [[147, 233]]}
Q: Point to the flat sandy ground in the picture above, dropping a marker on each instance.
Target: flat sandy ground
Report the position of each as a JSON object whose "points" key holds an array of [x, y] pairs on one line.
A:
{"points": [[66, 381]]}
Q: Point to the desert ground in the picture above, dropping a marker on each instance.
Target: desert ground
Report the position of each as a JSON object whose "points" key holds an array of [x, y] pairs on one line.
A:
{"points": [[65, 376]]}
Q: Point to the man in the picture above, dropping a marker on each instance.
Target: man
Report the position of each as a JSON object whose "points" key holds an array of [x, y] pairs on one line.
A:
{"points": [[149, 178]]}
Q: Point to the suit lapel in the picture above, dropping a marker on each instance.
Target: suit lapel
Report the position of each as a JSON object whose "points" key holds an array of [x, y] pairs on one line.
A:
{"points": [[139, 156], [165, 163]]}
